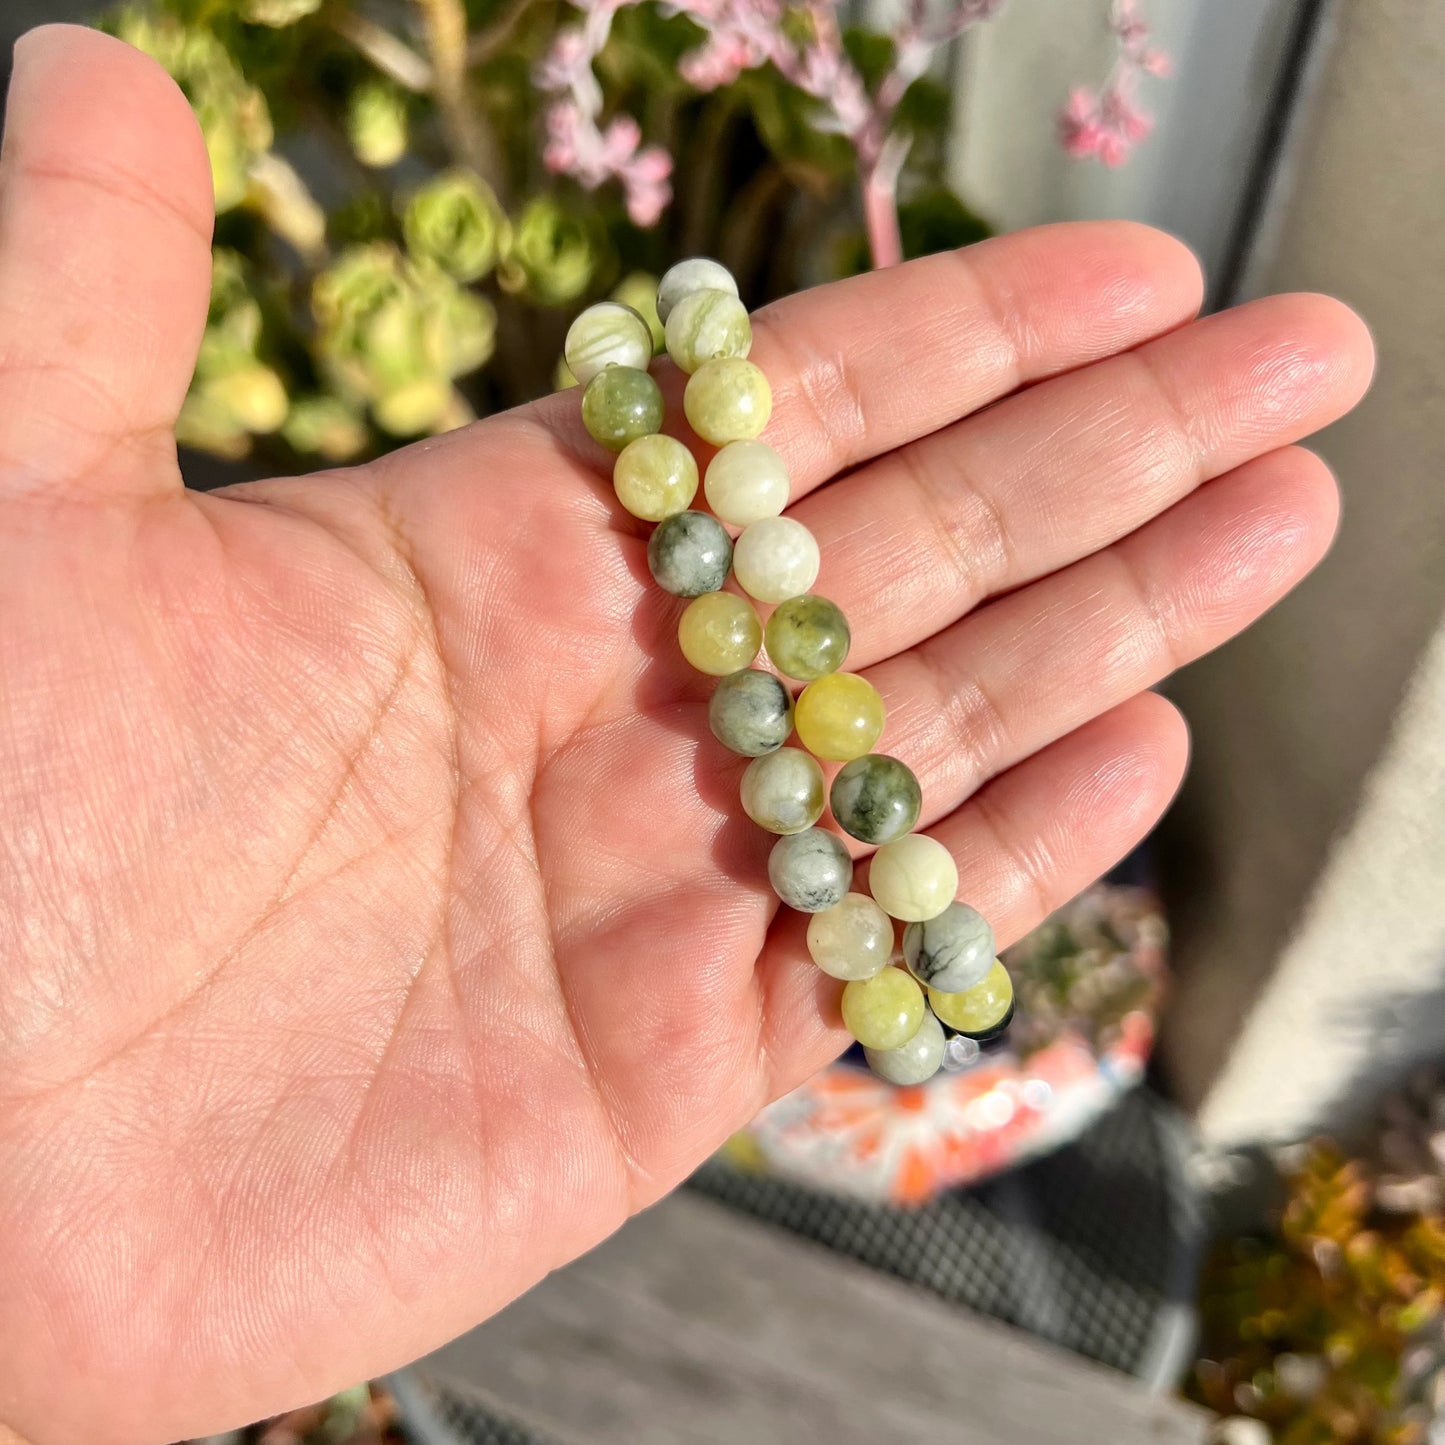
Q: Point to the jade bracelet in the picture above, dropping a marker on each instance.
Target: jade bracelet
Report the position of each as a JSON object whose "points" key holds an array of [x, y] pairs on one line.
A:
{"points": [[949, 981]]}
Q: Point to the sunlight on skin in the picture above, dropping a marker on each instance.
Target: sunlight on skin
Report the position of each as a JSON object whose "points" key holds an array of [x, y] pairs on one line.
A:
{"points": [[379, 920]]}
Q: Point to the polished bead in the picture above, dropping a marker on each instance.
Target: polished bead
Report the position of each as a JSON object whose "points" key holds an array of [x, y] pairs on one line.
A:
{"points": [[915, 1062], [853, 939], [913, 878], [875, 798], [811, 870], [840, 716], [689, 554], [808, 637], [751, 712], [783, 791], [950, 953], [705, 325], [980, 1010], [654, 477], [885, 1011], [776, 558], [607, 334], [746, 481], [696, 274], [620, 404], [719, 633], [727, 400]]}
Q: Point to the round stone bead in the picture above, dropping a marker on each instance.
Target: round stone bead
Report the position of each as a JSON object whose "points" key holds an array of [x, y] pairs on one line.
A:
{"points": [[981, 1010], [853, 939], [696, 274], [727, 400], [654, 477], [751, 712], [885, 1011], [914, 878], [705, 325], [719, 633], [811, 870], [620, 404], [875, 798], [776, 558], [808, 637], [689, 554], [950, 953], [783, 791], [915, 1062], [747, 481], [840, 717], [608, 334]]}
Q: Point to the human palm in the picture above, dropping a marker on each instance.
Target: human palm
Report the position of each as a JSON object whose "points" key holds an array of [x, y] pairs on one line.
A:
{"points": [[379, 926]]}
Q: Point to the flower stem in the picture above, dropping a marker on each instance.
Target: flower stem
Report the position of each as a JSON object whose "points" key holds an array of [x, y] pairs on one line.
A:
{"points": [[880, 217]]}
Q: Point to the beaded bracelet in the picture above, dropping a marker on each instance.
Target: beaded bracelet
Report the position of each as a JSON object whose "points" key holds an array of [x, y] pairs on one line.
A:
{"points": [[948, 947]]}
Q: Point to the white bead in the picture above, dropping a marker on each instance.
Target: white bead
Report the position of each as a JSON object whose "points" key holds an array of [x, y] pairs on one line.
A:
{"points": [[914, 878], [696, 274], [607, 334], [746, 481], [776, 558]]}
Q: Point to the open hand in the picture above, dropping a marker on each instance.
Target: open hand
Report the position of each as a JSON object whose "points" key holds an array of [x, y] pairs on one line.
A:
{"points": [[378, 923]]}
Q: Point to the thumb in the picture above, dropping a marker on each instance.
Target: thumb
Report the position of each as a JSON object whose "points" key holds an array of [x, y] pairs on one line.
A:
{"points": [[105, 224]]}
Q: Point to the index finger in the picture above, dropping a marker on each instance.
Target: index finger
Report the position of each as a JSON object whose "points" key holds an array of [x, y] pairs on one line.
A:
{"points": [[862, 366]]}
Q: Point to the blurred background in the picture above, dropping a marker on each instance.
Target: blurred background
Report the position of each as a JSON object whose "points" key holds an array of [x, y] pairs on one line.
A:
{"points": [[1198, 1192]]}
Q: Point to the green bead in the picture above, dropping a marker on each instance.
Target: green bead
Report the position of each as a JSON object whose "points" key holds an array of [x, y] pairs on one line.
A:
{"points": [[885, 1011], [751, 712], [705, 325], [980, 1009], [689, 553], [697, 273], [811, 870], [914, 878], [727, 400], [654, 477], [915, 1062], [620, 404], [607, 334], [853, 939], [808, 637], [875, 798], [783, 791]]}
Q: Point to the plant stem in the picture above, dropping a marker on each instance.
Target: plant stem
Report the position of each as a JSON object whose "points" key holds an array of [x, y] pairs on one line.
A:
{"points": [[880, 217], [394, 58], [445, 25], [486, 43]]}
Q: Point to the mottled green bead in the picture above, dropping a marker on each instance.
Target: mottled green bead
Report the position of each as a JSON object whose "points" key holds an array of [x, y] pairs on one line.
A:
{"points": [[783, 791], [746, 481], [915, 1062], [705, 325], [654, 477], [952, 952], [808, 637], [885, 1011], [751, 712], [620, 404], [719, 633], [811, 870], [689, 553], [727, 400], [697, 273], [607, 334], [853, 939], [981, 1010], [875, 798]]}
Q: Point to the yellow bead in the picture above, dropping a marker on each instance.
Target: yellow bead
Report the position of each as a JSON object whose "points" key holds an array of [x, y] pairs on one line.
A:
{"points": [[840, 717], [719, 633], [727, 400], [885, 1011], [980, 1009], [914, 878], [654, 477]]}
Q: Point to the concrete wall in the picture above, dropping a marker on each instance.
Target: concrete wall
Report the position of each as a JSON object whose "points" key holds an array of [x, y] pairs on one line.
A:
{"points": [[1308, 851]]}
